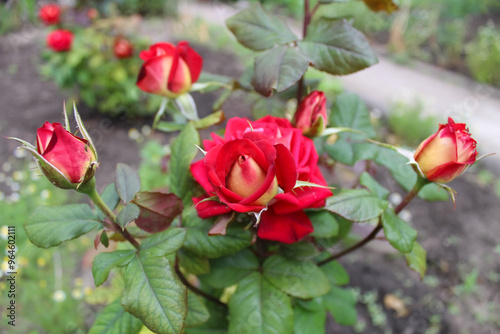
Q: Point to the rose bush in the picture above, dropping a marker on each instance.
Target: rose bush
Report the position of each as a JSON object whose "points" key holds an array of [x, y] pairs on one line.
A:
{"points": [[447, 153], [310, 116], [273, 151], [60, 40], [169, 70], [50, 14]]}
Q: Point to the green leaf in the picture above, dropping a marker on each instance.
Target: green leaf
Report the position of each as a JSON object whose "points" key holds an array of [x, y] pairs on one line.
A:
{"points": [[257, 30], [350, 111], [154, 294], [216, 324], [342, 305], [114, 320], [416, 259], [200, 243], [335, 47], [302, 250], [110, 197], [229, 270], [356, 205], [129, 213], [49, 226], [183, 151], [324, 223], [157, 210], [186, 106], [192, 263], [301, 279], [258, 307], [399, 234], [127, 182], [371, 184], [336, 273], [278, 69], [104, 262], [210, 120], [197, 311], [307, 322], [164, 243]]}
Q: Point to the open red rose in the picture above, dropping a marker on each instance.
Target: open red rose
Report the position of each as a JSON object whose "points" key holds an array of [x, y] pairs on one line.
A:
{"points": [[123, 48], [310, 116], [60, 40], [296, 159], [447, 153], [50, 14], [70, 155], [169, 70]]}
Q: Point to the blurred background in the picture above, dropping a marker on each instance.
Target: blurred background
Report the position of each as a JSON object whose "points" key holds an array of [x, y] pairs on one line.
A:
{"points": [[438, 59]]}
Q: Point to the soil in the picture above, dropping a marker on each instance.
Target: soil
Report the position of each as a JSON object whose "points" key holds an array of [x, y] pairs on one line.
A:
{"points": [[457, 241]]}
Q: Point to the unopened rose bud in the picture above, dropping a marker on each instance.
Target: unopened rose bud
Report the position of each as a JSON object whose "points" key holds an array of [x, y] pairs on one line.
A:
{"points": [[246, 177], [123, 48], [50, 14], [447, 153], [310, 116]]}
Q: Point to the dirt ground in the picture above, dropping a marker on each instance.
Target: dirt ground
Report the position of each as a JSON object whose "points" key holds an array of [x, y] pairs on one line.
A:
{"points": [[449, 300]]}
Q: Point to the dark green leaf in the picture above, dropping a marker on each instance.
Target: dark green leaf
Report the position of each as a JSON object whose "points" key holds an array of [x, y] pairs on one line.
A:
{"points": [[303, 250], [163, 243], [49, 226], [307, 322], [336, 273], [197, 311], [192, 263], [110, 197], [325, 224], [127, 182], [200, 243], [114, 320], [349, 111], [157, 210], [369, 182], [416, 259], [104, 262], [129, 213], [278, 69], [301, 279], [154, 294], [183, 152], [356, 205], [216, 324], [229, 270], [342, 305], [334, 46], [257, 30], [399, 234], [258, 307]]}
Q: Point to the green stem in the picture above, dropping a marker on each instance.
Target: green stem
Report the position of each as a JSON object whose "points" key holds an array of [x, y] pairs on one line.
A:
{"points": [[97, 200], [421, 182], [307, 20]]}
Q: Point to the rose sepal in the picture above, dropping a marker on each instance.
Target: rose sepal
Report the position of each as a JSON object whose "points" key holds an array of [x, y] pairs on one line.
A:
{"points": [[82, 130]]}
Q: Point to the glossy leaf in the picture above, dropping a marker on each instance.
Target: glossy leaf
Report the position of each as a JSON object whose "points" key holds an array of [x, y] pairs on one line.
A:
{"points": [[335, 47], [399, 234], [114, 320], [197, 311], [229, 270], [157, 210], [307, 322], [278, 69], [342, 305], [302, 250], [106, 261], [356, 205], [164, 243], [154, 294], [350, 111], [129, 213], [50, 226], [127, 182], [417, 259], [301, 279], [366, 180], [324, 223], [257, 30], [258, 307], [192, 263], [336, 273], [216, 324]]}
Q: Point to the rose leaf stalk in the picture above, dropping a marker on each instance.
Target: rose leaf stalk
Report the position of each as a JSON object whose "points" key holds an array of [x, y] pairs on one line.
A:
{"points": [[421, 182]]}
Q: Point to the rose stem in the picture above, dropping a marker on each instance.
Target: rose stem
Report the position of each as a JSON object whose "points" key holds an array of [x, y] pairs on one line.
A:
{"points": [[411, 195], [193, 288], [307, 20], [94, 196]]}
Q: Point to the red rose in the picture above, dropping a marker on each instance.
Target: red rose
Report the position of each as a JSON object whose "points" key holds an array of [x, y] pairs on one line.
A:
{"points": [[296, 159], [310, 116], [123, 48], [447, 153], [60, 40], [50, 14], [71, 156], [169, 70]]}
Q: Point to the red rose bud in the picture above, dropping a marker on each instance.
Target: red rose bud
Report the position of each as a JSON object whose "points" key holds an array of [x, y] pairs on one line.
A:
{"points": [[66, 160], [246, 177], [169, 70], [310, 116], [50, 14], [123, 48], [60, 40], [447, 153]]}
